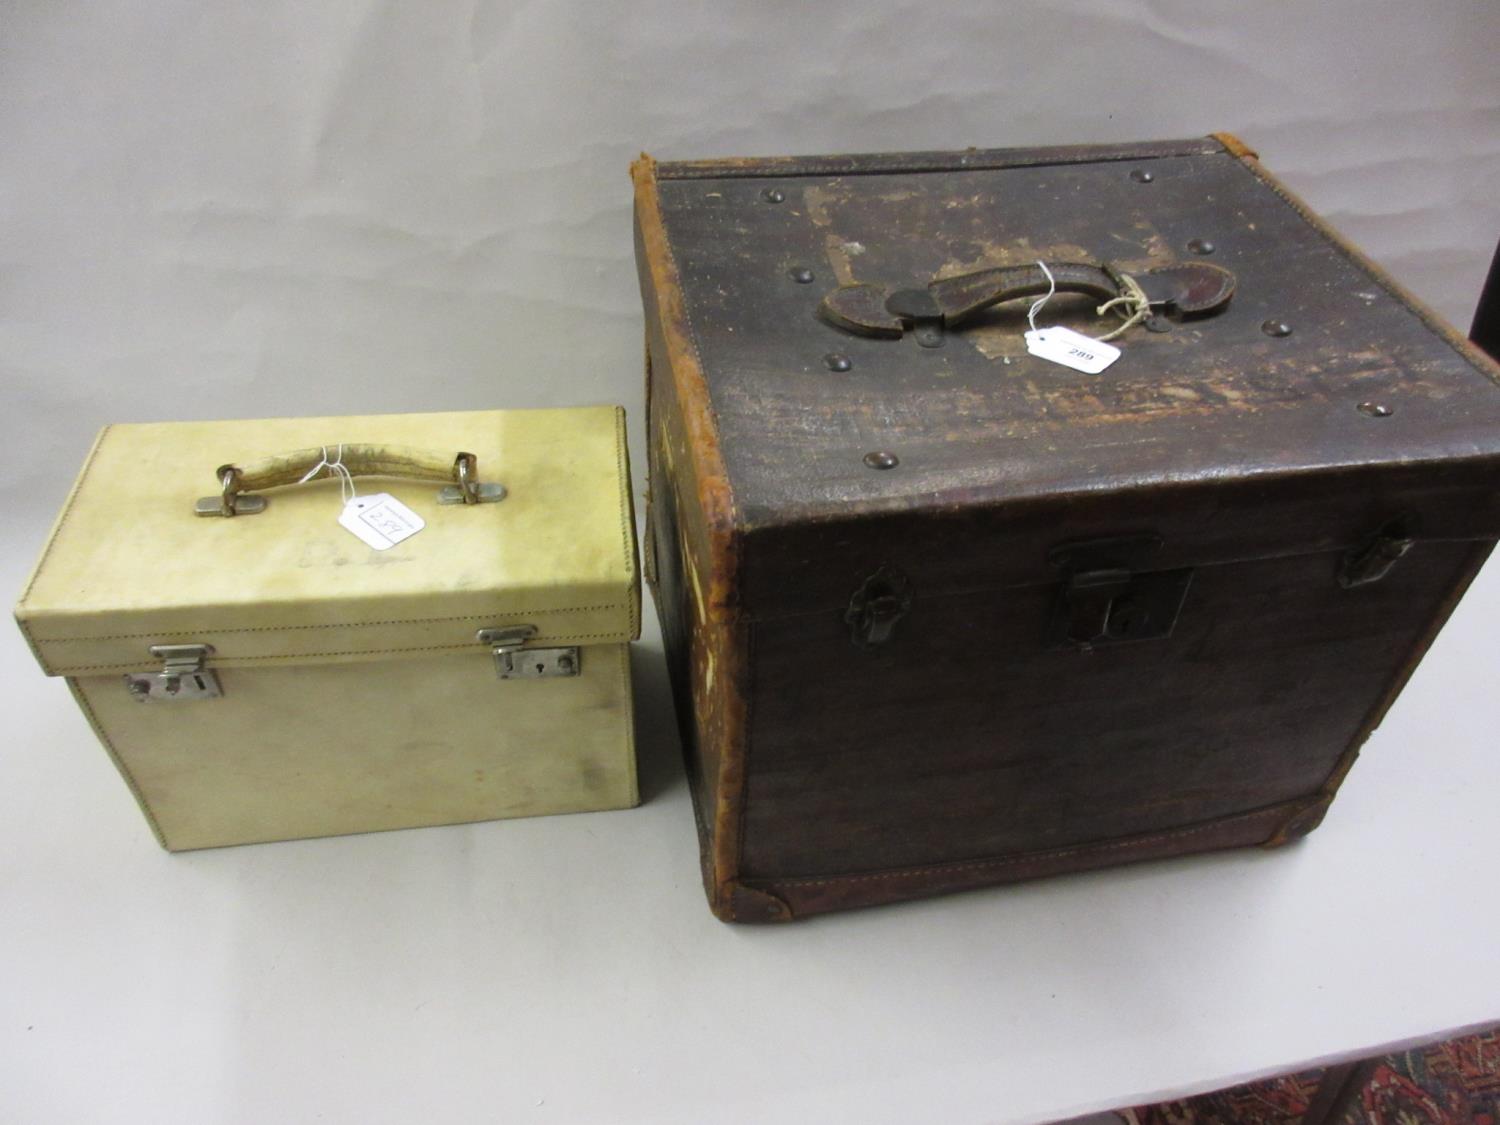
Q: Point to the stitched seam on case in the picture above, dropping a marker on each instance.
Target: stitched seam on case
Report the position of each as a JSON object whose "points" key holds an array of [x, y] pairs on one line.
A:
{"points": [[628, 699], [135, 790], [338, 625], [305, 657], [1434, 324], [66, 514], [622, 467], [1012, 861]]}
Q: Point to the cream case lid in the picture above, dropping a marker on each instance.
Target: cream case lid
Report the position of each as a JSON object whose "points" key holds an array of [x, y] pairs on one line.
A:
{"points": [[130, 564]]}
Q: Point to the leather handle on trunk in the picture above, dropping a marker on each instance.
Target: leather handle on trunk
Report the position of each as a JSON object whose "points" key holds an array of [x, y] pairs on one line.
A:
{"points": [[239, 483], [958, 297], [1189, 289]]}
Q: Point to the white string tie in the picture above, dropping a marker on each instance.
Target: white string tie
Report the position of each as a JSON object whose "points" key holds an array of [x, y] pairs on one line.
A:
{"points": [[1133, 305], [1036, 306], [336, 468]]}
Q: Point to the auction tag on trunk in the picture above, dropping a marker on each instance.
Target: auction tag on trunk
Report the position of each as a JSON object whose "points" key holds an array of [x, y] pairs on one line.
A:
{"points": [[1071, 349], [381, 521]]}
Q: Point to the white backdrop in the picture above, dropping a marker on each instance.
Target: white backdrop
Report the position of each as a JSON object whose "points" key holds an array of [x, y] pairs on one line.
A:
{"points": [[234, 210], [237, 210]]}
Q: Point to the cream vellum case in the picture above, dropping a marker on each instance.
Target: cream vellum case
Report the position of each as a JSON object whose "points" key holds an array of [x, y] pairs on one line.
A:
{"points": [[270, 676]]}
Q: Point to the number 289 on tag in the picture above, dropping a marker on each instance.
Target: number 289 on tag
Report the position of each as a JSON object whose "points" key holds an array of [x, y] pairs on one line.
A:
{"points": [[1071, 349]]}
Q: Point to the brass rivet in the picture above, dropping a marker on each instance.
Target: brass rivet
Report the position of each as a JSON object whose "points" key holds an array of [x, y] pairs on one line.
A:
{"points": [[773, 195], [1201, 246], [1141, 176], [1375, 409], [836, 362], [801, 275], [882, 460], [1276, 328]]}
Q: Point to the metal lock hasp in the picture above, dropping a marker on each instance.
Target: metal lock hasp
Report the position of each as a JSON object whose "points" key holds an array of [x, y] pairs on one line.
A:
{"points": [[1108, 597], [1372, 560], [182, 676], [883, 599], [514, 661]]}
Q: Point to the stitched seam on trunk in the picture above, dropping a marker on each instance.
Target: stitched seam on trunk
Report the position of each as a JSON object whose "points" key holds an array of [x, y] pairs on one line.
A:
{"points": [[746, 726], [1030, 857], [989, 160]]}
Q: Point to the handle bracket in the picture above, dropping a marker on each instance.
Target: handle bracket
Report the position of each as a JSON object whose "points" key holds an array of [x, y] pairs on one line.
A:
{"points": [[230, 501]]}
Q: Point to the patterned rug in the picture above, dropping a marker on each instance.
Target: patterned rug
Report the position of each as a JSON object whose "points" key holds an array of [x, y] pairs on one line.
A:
{"points": [[1451, 1083]]}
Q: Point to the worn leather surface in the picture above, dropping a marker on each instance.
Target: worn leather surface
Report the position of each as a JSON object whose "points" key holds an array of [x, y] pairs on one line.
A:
{"points": [[1212, 399], [970, 749], [292, 751], [787, 899], [129, 565], [969, 735], [697, 588]]}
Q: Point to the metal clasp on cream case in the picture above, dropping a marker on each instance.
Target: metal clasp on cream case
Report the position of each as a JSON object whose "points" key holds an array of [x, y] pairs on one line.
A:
{"points": [[182, 676], [514, 661]]}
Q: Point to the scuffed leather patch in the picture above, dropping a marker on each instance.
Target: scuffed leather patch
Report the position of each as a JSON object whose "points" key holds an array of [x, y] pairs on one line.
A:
{"points": [[745, 904], [1301, 822]]}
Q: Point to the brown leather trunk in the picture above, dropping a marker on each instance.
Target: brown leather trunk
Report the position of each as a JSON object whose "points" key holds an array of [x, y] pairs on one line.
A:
{"points": [[942, 614]]}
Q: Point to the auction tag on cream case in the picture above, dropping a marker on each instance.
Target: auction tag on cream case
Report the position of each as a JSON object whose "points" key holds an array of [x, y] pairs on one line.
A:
{"points": [[1071, 349], [381, 521]]}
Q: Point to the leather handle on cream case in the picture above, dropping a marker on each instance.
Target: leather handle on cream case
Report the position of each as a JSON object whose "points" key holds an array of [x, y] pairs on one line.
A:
{"points": [[240, 484]]}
